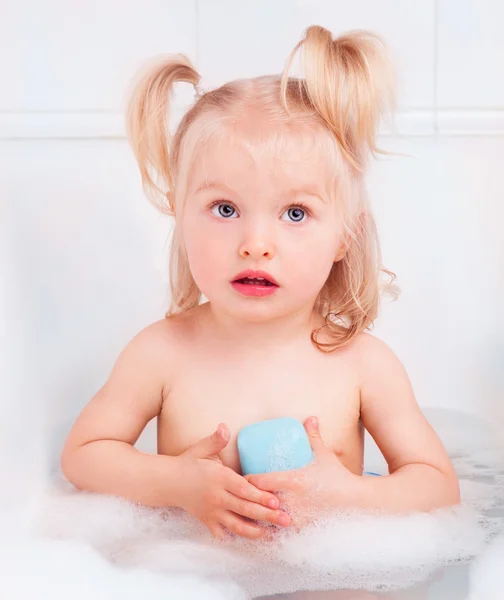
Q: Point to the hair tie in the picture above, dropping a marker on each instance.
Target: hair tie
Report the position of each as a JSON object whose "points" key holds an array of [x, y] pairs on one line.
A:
{"points": [[203, 87]]}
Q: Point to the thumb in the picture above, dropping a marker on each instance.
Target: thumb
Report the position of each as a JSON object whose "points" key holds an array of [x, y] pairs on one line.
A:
{"points": [[312, 429], [210, 446]]}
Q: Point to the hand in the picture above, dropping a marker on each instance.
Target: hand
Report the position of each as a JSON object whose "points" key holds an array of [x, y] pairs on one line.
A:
{"points": [[322, 485], [219, 497]]}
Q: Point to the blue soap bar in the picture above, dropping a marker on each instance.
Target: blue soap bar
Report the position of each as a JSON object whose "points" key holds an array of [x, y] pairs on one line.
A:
{"points": [[273, 445]]}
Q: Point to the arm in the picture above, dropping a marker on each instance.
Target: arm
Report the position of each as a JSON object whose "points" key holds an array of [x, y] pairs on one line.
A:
{"points": [[421, 474], [99, 453]]}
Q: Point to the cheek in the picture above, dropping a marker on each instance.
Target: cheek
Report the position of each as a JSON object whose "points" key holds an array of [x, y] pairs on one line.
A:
{"points": [[206, 251], [313, 260], [312, 271]]}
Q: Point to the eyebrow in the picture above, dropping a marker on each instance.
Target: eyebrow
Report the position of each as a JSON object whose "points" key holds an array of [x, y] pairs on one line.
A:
{"points": [[212, 185], [217, 185]]}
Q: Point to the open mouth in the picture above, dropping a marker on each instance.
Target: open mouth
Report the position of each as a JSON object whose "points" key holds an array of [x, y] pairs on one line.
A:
{"points": [[255, 281]]}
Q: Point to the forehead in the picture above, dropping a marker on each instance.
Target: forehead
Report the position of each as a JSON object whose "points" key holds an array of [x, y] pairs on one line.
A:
{"points": [[247, 154]]}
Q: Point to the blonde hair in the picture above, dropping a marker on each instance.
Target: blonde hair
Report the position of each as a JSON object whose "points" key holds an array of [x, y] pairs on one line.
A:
{"points": [[347, 87]]}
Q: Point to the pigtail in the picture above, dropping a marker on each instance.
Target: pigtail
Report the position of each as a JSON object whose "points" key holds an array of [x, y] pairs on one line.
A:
{"points": [[147, 123], [349, 82], [346, 89]]}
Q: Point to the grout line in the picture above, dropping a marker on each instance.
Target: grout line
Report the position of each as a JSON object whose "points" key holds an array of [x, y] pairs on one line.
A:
{"points": [[61, 111], [437, 233], [405, 110], [54, 138], [121, 138], [197, 34], [435, 69], [479, 109], [109, 125]]}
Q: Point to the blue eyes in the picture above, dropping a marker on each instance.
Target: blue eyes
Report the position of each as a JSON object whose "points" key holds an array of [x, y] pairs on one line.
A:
{"points": [[295, 214], [224, 210]]}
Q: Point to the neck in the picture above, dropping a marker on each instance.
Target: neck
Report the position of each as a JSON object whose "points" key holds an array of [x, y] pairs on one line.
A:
{"points": [[267, 334]]}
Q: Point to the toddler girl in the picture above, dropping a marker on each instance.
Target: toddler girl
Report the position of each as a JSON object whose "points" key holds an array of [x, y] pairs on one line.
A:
{"points": [[265, 178]]}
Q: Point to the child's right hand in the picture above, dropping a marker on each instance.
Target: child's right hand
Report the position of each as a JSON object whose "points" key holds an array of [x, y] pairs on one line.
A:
{"points": [[219, 497]]}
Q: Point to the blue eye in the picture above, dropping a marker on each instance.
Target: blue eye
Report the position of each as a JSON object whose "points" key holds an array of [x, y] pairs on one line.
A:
{"points": [[224, 210], [295, 214]]}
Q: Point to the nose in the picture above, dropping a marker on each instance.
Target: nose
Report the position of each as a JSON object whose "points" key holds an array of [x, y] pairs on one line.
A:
{"points": [[257, 243]]}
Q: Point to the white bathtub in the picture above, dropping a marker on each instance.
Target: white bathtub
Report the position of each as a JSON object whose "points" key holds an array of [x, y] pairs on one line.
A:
{"points": [[61, 542]]}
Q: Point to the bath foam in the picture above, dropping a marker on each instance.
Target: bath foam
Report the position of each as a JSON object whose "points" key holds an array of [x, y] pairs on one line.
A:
{"points": [[42, 568], [333, 553], [486, 575]]}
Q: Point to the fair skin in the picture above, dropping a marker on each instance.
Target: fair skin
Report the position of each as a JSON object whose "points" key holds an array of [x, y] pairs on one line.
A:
{"points": [[238, 359]]}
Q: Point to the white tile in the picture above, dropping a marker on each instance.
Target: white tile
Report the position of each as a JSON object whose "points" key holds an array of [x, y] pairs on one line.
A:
{"points": [[242, 39], [470, 71], [402, 191], [475, 122], [89, 255], [440, 212], [470, 263], [75, 56]]}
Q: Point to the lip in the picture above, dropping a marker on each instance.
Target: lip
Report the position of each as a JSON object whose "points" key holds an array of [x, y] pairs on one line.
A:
{"points": [[253, 275], [255, 290]]}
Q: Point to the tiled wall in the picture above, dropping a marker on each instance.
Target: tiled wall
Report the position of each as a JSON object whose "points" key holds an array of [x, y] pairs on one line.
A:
{"points": [[87, 260], [66, 66]]}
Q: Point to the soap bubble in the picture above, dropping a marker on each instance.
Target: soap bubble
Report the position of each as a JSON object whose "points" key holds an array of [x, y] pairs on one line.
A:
{"points": [[338, 550]]}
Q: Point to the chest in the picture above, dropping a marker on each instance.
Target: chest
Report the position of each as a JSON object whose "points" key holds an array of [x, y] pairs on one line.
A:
{"points": [[207, 390]]}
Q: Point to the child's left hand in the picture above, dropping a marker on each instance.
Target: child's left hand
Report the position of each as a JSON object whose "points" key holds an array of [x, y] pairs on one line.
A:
{"points": [[322, 485]]}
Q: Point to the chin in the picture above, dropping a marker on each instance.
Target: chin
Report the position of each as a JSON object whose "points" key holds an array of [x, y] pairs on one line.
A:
{"points": [[259, 314], [251, 310]]}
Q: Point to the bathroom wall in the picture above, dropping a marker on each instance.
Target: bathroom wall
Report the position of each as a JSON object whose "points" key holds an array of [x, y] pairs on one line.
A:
{"points": [[84, 265]]}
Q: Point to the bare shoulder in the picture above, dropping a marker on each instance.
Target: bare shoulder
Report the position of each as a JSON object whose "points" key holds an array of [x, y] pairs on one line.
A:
{"points": [[135, 389], [166, 333], [366, 342], [153, 346], [176, 329], [162, 342], [374, 358], [383, 379]]}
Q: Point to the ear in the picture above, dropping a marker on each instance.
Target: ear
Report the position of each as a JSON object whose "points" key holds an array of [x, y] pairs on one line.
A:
{"points": [[342, 250], [347, 236], [343, 247]]}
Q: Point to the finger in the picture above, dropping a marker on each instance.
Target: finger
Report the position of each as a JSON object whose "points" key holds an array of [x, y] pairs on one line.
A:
{"points": [[255, 511], [239, 486], [313, 431], [239, 526], [211, 445], [272, 482], [217, 530]]}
